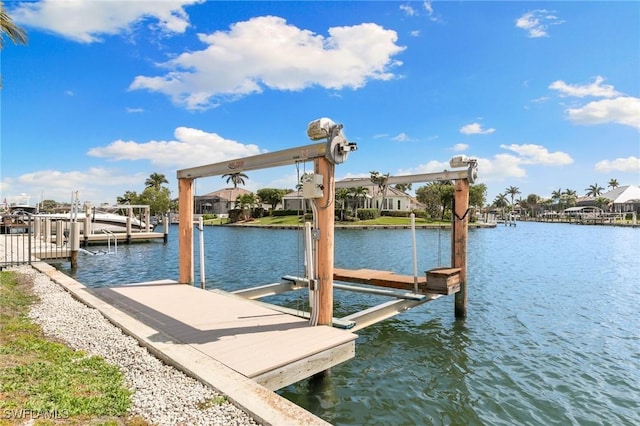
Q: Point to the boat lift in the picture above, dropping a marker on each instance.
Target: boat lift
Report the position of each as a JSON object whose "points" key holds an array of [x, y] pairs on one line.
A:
{"points": [[320, 188]]}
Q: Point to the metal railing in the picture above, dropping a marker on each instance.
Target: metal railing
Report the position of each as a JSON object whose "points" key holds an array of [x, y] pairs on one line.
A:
{"points": [[25, 239]]}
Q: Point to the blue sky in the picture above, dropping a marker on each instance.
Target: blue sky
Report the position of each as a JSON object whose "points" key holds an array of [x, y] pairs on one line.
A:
{"points": [[546, 95]]}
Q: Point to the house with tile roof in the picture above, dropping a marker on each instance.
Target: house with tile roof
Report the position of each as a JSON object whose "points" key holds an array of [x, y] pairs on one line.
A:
{"points": [[218, 202], [394, 200]]}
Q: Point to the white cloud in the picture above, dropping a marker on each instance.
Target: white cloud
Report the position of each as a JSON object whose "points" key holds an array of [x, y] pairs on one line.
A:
{"points": [[594, 89], [408, 10], [475, 129], [69, 93], [91, 184], [401, 137], [135, 110], [460, 147], [191, 147], [500, 167], [86, 21], [616, 108], [415, 33], [622, 110], [537, 154], [629, 164], [266, 52], [432, 166], [428, 7], [536, 22]]}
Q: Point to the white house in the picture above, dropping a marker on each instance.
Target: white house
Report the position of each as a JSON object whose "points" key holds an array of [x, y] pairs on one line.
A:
{"points": [[624, 198]]}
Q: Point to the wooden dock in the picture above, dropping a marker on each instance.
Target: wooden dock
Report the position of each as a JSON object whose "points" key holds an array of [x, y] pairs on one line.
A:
{"points": [[120, 237], [270, 347], [379, 278]]}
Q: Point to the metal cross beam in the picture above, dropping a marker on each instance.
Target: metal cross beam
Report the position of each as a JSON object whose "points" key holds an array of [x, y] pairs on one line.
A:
{"points": [[393, 180], [261, 161]]}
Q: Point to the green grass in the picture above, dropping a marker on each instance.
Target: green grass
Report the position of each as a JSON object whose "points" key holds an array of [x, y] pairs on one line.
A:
{"points": [[39, 375]]}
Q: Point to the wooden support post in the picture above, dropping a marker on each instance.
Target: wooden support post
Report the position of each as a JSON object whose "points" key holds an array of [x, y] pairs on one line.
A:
{"points": [[147, 219], [37, 227], [47, 230], [185, 230], [165, 228], [325, 219], [74, 243], [87, 223], [459, 242], [129, 223], [59, 233]]}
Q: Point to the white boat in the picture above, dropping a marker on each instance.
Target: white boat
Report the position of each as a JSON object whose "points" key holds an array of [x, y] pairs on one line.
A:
{"points": [[100, 222]]}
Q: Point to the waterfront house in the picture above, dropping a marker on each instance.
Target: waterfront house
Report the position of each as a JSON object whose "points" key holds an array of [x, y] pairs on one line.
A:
{"points": [[619, 200], [218, 202], [394, 200], [624, 199]]}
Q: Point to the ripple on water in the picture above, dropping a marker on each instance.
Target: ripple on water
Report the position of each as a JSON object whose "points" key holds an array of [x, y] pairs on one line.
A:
{"points": [[551, 337]]}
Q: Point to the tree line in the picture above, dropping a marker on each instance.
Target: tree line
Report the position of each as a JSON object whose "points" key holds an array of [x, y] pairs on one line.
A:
{"points": [[560, 199]]}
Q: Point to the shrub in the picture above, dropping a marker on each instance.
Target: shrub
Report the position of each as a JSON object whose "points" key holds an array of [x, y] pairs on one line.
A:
{"points": [[368, 214]]}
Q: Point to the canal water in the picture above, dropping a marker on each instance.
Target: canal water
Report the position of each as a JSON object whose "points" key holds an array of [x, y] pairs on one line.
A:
{"points": [[552, 334]]}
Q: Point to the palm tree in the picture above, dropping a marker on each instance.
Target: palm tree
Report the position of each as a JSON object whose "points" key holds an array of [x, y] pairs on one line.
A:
{"points": [[381, 181], [342, 194], [236, 178], [613, 183], [246, 202], [557, 196], [357, 193], [594, 190], [570, 197], [403, 187], [155, 181], [513, 191], [7, 27], [500, 202], [601, 202]]}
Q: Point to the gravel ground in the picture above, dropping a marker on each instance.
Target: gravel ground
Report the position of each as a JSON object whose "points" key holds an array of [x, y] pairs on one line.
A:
{"points": [[162, 394]]}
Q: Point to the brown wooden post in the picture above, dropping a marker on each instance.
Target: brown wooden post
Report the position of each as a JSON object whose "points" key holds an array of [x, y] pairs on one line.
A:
{"points": [[459, 242], [326, 213], [185, 230]]}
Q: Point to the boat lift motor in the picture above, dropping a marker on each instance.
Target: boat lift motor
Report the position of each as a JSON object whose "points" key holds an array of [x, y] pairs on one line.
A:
{"points": [[338, 148]]}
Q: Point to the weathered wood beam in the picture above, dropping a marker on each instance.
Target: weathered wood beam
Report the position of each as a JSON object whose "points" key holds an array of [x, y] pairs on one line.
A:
{"points": [[460, 218], [185, 230], [325, 223], [379, 278]]}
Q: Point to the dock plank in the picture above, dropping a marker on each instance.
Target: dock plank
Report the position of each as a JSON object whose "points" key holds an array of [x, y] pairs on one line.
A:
{"points": [[378, 278], [251, 339]]}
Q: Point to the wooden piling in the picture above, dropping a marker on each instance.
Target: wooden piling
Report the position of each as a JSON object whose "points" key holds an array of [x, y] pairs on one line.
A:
{"points": [[185, 230], [165, 228], [59, 233], [325, 221], [459, 230], [74, 243]]}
